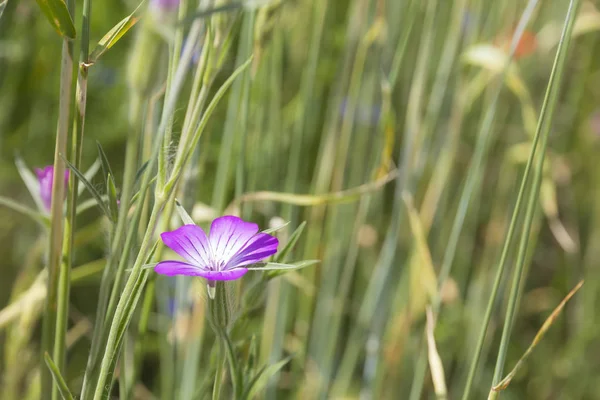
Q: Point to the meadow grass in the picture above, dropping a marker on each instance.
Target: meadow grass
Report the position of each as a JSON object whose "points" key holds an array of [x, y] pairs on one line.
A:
{"points": [[428, 167]]}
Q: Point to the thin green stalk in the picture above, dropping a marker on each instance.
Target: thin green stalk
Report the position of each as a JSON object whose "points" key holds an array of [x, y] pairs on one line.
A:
{"points": [[549, 101], [49, 389], [135, 282], [69, 231], [544, 125]]}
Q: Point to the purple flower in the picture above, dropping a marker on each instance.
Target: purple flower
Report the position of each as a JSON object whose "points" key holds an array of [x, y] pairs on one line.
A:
{"points": [[231, 245], [46, 178], [161, 6]]}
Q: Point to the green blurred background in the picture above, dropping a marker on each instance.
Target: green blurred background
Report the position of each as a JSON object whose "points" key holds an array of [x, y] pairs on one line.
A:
{"points": [[340, 93]]}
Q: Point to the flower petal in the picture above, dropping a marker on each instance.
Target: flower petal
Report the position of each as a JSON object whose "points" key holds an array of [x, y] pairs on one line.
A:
{"points": [[228, 235], [258, 248], [171, 268], [46, 178], [191, 243], [227, 275]]}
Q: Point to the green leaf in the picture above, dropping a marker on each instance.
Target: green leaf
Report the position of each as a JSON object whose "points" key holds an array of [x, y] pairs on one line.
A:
{"points": [[280, 266], [185, 217], [271, 230], [281, 256], [260, 381], [106, 170], [140, 171], [89, 187], [59, 17], [58, 379], [114, 35], [113, 204]]}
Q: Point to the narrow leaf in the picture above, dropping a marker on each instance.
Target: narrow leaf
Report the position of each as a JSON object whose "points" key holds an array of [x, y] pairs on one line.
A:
{"points": [[296, 265], [58, 15], [58, 379], [344, 196], [106, 170], [538, 337], [259, 382], [185, 217], [90, 188], [113, 204], [114, 35], [281, 256], [278, 228], [140, 171]]}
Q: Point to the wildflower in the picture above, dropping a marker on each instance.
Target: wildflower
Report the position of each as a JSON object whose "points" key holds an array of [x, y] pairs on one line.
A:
{"points": [[46, 179], [232, 244]]}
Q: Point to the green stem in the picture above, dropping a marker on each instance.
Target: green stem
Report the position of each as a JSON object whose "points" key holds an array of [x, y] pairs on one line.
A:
{"points": [[49, 389], [520, 197], [543, 128], [64, 288]]}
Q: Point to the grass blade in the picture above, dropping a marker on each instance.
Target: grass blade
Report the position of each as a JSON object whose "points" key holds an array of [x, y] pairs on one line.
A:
{"points": [[90, 188], [58, 379], [260, 381], [58, 15], [543, 130], [538, 337], [114, 35]]}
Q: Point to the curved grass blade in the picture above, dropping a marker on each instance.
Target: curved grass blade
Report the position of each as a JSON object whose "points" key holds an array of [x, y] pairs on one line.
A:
{"points": [[538, 337], [90, 188], [58, 379], [113, 203], [281, 266], [278, 228], [281, 256], [58, 15], [344, 196], [260, 381], [114, 35], [106, 170], [185, 217]]}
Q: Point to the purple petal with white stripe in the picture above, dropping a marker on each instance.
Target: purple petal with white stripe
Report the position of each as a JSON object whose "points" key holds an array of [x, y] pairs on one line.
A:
{"points": [[171, 268], [231, 244], [226, 275], [228, 235], [191, 243], [261, 246]]}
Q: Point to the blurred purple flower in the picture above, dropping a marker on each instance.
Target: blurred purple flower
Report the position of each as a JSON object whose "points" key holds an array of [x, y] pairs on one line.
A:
{"points": [[364, 114], [164, 5], [46, 179], [231, 245]]}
